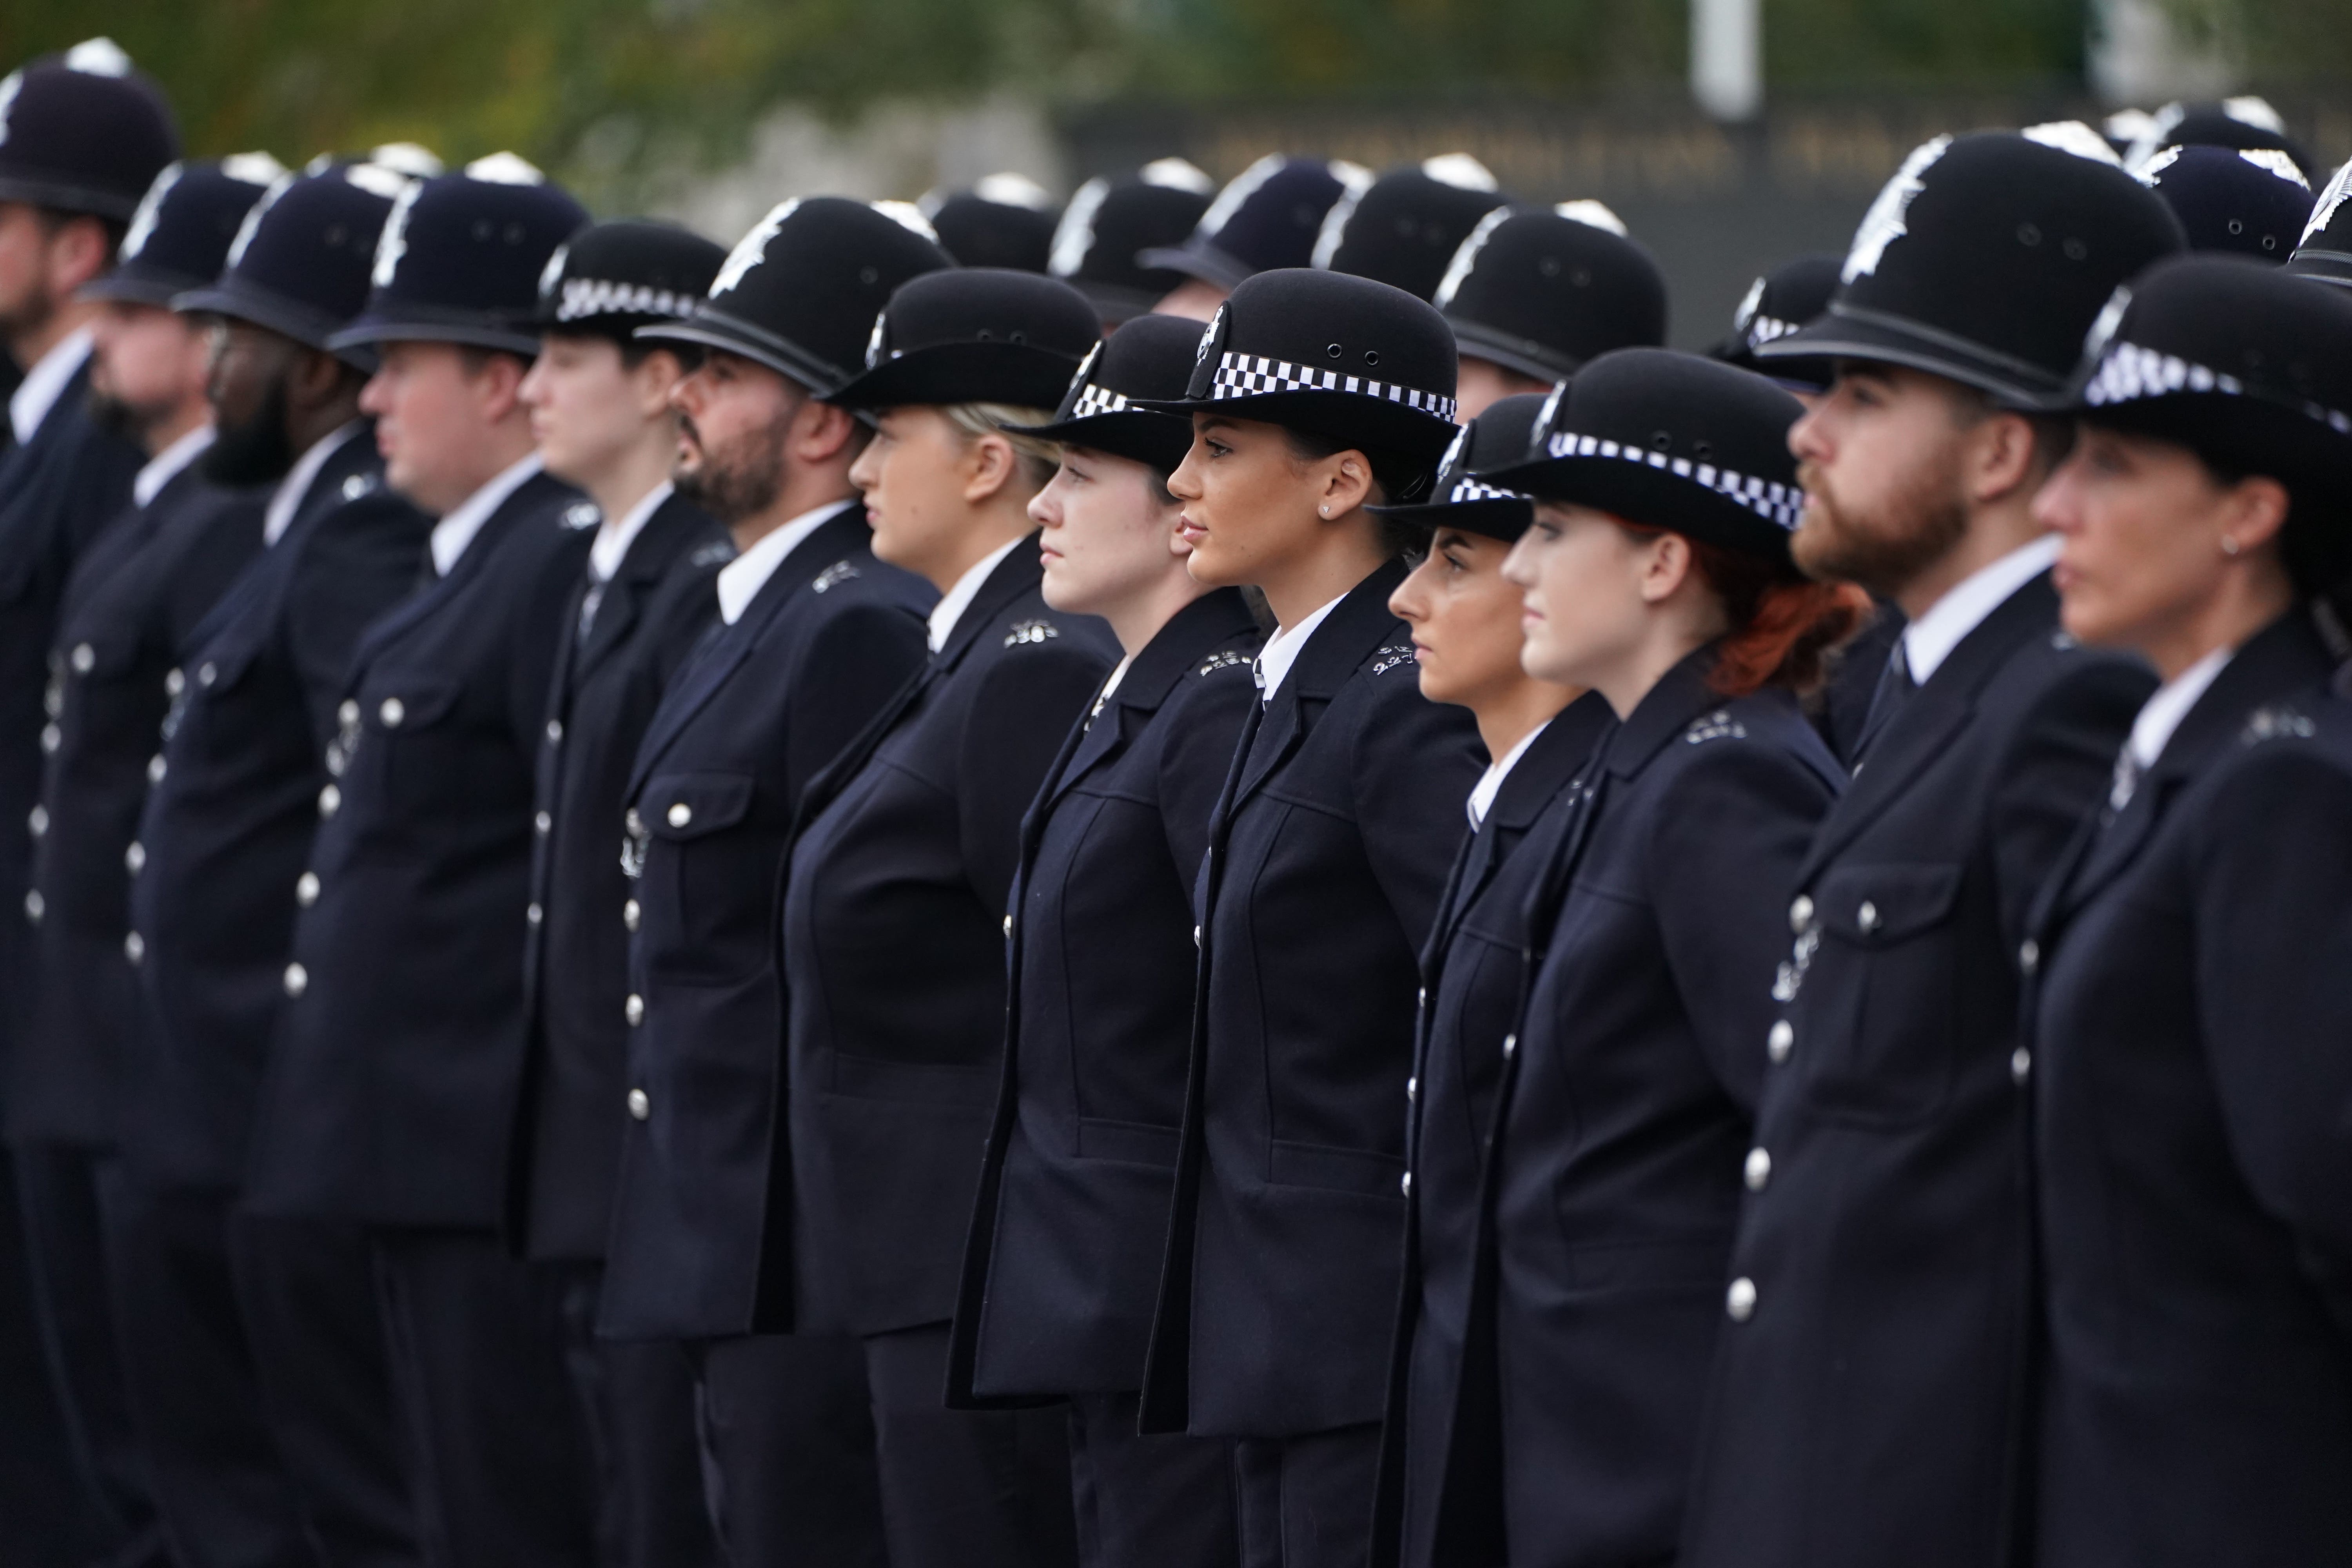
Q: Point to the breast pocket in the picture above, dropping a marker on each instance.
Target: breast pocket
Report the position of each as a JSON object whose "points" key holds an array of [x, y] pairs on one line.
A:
{"points": [[399, 746], [1882, 1001], [705, 893]]}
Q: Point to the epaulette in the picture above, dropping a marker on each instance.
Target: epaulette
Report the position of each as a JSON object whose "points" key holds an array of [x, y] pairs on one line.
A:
{"points": [[357, 487], [2277, 722], [839, 572], [1030, 632], [718, 553], [582, 514], [1718, 725], [1223, 659], [1387, 659]]}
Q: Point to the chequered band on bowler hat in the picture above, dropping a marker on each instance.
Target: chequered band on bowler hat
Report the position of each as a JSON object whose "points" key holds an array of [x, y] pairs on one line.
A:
{"points": [[585, 297], [1254, 376], [1095, 399], [1776, 503], [1466, 490], [2129, 373]]}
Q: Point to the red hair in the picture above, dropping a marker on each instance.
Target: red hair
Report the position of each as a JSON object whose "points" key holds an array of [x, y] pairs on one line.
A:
{"points": [[1782, 627]]}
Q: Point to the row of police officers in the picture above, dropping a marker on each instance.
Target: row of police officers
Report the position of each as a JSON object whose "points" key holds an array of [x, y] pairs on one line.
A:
{"points": [[1259, 890]]}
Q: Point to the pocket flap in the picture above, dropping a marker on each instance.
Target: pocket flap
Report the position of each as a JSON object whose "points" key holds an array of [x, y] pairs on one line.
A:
{"points": [[680, 806], [1889, 903], [394, 703]]}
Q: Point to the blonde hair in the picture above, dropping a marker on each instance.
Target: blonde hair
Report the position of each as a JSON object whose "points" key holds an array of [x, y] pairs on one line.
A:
{"points": [[1038, 458]]}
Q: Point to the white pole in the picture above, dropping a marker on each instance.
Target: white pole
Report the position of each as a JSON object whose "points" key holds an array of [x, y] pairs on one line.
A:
{"points": [[1726, 60]]}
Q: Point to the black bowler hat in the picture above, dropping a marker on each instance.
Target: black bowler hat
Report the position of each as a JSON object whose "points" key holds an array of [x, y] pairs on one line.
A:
{"points": [[1331, 355], [1985, 259], [1151, 358], [1267, 217], [1785, 298], [611, 279], [1109, 223], [800, 291], [300, 263], [1404, 228], [1459, 499], [1670, 440], [461, 259], [2242, 364], [974, 334], [1540, 293], [180, 236], [1005, 220], [2245, 124], [2325, 252], [83, 132], [2254, 202]]}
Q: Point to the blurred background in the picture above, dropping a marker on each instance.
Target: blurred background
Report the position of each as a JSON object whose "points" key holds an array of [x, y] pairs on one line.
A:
{"points": [[1729, 134]]}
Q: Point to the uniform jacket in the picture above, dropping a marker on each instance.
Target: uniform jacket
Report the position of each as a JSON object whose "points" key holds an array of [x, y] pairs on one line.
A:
{"points": [[392, 1086], [756, 714], [1472, 983], [1870, 1407], [125, 620], [57, 491], [2188, 1016], [608, 679], [894, 934], [227, 828], [1327, 855], [1063, 1263]]}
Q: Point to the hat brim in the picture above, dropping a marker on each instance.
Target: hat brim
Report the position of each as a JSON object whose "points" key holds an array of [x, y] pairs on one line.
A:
{"points": [[1350, 418], [1492, 517], [1114, 302], [135, 287], [243, 301], [1650, 498], [2322, 267], [1013, 374], [1524, 356], [1844, 332], [1158, 441], [1807, 373], [717, 329], [64, 196], [481, 332], [1205, 262]]}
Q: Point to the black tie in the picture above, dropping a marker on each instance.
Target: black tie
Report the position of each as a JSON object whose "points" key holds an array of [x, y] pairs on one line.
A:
{"points": [[1895, 689]]}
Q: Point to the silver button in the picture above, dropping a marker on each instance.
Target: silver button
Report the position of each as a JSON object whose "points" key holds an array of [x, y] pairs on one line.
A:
{"points": [[634, 1009], [1008, 925], [1866, 916], [680, 814], [534, 914], [392, 711], [174, 683], [38, 821], [330, 800], [641, 1105], [306, 889], [51, 737], [1406, 1184], [542, 822], [1421, 998], [1758, 1169], [34, 905], [1511, 1044], [348, 714], [1739, 1302], [208, 672], [2020, 1064], [155, 769], [629, 914], [2028, 956], [134, 859], [1412, 1089], [1800, 914], [1780, 1040], [555, 731], [134, 947], [85, 659], [298, 979], [1196, 936]]}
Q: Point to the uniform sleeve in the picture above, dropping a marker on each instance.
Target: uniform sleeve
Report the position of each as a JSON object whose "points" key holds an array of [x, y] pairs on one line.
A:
{"points": [[1020, 715], [1198, 757], [2058, 768], [1723, 854], [364, 560], [1415, 764], [858, 660], [2273, 869]]}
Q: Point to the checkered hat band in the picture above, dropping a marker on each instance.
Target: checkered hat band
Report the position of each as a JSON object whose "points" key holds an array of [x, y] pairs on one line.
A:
{"points": [[1764, 329], [2128, 372], [600, 297], [1781, 505], [1097, 400], [1466, 489], [1252, 376]]}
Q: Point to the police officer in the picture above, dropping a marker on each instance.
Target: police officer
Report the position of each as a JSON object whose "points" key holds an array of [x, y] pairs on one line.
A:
{"points": [[1778, 303], [815, 635], [226, 835], [1004, 220], [392, 1088], [601, 415], [1315, 394], [1109, 223], [1266, 217], [1465, 620], [1533, 295], [1064, 1257], [126, 624], [907, 848], [1405, 227], [1879, 1298], [84, 138], [2252, 202], [2184, 992]]}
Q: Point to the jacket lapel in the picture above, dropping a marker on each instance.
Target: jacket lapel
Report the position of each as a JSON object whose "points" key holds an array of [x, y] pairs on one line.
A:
{"points": [[1345, 639], [527, 497]]}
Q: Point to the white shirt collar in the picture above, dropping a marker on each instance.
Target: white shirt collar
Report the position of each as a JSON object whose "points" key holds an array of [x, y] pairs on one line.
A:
{"points": [[167, 465], [740, 580], [958, 599], [35, 395], [1930, 639], [459, 525], [2161, 714], [1490, 782], [286, 499], [614, 538], [1283, 649]]}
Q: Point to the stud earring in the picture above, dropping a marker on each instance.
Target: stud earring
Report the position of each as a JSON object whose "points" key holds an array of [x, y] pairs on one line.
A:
{"points": [[1323, 511], [2228, 545]]}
